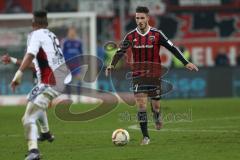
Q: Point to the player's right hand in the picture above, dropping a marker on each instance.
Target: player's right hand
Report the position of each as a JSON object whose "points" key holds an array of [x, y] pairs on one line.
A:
{"points": [[191, 67], [5, 59], [108, 70], [16, 80]]}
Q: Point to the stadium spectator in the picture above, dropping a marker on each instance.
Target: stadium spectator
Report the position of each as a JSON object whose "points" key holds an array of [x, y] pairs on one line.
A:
{"points": [[221, 59], [145, 42], [44, 51]]}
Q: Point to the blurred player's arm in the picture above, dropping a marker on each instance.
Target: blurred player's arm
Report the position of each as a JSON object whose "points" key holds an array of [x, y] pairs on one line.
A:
{"points": [[32, 51], [6, 59], [176, 52], [27, 61], [118, 55]]}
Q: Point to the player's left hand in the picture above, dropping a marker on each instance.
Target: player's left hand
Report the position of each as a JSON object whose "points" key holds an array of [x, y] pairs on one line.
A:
{"points": [[5, 59], [192, 67], [16, 80]]}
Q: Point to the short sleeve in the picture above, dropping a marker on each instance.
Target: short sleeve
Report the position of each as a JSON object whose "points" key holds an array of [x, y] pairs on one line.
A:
{"points": [[33, 44]]}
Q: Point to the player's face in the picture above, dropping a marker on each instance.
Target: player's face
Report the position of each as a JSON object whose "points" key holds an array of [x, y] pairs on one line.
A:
{"points": [[142, 20]]}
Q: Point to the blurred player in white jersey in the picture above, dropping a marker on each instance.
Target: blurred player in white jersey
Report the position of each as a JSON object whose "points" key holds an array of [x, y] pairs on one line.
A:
{"points": [[44, 51]]}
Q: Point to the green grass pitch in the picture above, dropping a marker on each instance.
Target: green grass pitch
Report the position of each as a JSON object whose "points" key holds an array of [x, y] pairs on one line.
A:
{"points": [[203, 129]]}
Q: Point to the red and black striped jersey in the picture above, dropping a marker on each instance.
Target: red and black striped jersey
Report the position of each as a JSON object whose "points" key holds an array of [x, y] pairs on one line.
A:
{"points": [[144, 47], [145, 50]]}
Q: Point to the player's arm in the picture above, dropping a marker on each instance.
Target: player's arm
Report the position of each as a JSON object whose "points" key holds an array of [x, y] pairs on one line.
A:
{"points": [[118, 55], [6, 59], [27, 61], [176, 52], [32, 50]]}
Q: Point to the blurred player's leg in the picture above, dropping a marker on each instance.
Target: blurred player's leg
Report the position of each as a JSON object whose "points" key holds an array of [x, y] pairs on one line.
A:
{"points": [[42, 95], [31, 131], [141, 100], [155, 106], [44, 128], [43, 122], [36, 109]]}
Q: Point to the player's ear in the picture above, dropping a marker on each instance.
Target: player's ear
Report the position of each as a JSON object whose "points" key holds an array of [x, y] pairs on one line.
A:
{"points": [[33, 25], [148, 17]]}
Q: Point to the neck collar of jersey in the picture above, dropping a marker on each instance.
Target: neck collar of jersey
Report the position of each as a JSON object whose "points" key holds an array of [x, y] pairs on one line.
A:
{"points": [[149, 27]]}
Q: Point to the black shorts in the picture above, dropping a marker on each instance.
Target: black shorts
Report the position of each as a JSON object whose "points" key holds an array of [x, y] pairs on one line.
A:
{"points": [[149, 85]]}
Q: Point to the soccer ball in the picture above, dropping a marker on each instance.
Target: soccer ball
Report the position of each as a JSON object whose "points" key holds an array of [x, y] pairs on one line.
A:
{"points": [[120, 137]]}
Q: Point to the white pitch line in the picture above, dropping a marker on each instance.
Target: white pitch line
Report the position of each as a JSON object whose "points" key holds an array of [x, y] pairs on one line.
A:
{"points": [[214, 129], [135, 127], [215, 119], [199, 120]]}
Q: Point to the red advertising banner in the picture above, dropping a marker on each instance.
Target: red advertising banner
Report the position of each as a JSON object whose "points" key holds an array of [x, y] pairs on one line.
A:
{"points": [[203, 53]]}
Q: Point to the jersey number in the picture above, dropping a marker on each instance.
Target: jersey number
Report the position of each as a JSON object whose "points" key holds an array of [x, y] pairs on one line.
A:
{"points": [[56, 45]]}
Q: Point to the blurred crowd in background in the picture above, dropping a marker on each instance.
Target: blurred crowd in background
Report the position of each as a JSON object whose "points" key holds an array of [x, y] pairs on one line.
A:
{"points": [[207, 32]]}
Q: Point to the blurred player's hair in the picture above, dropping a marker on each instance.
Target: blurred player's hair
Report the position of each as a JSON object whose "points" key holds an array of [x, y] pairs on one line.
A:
{"points": [[142, 9], [40, 18]]}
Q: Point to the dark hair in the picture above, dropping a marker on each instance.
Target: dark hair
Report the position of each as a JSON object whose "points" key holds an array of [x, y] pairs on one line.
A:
{"points": [[40, 18], [142, 9]]}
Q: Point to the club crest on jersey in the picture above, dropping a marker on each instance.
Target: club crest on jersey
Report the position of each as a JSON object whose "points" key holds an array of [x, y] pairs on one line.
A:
{"points": [[152, 38]]}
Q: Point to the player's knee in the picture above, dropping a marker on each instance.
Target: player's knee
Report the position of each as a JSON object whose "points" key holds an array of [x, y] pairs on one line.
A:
{"points": [[141, 105], [156, 107], [27, 120], [141, 102]]}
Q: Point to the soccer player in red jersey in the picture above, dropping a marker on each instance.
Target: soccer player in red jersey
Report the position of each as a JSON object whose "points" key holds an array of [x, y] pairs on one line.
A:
{"points": [[145, 42]]}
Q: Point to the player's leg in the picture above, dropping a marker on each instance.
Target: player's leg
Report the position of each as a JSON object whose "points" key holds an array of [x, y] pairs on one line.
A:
{"points": [[31, 131], [42, 101], [36, 95], [155, 96], [155, 106], [39, 99], [44, 128], [141, 102]]}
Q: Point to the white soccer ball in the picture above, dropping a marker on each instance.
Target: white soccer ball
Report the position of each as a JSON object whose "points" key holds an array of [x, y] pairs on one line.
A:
{"points": [[120, 137]]}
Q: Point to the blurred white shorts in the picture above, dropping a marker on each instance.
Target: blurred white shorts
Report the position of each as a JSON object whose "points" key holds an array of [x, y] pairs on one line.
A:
{"points": [[41, 95]]}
